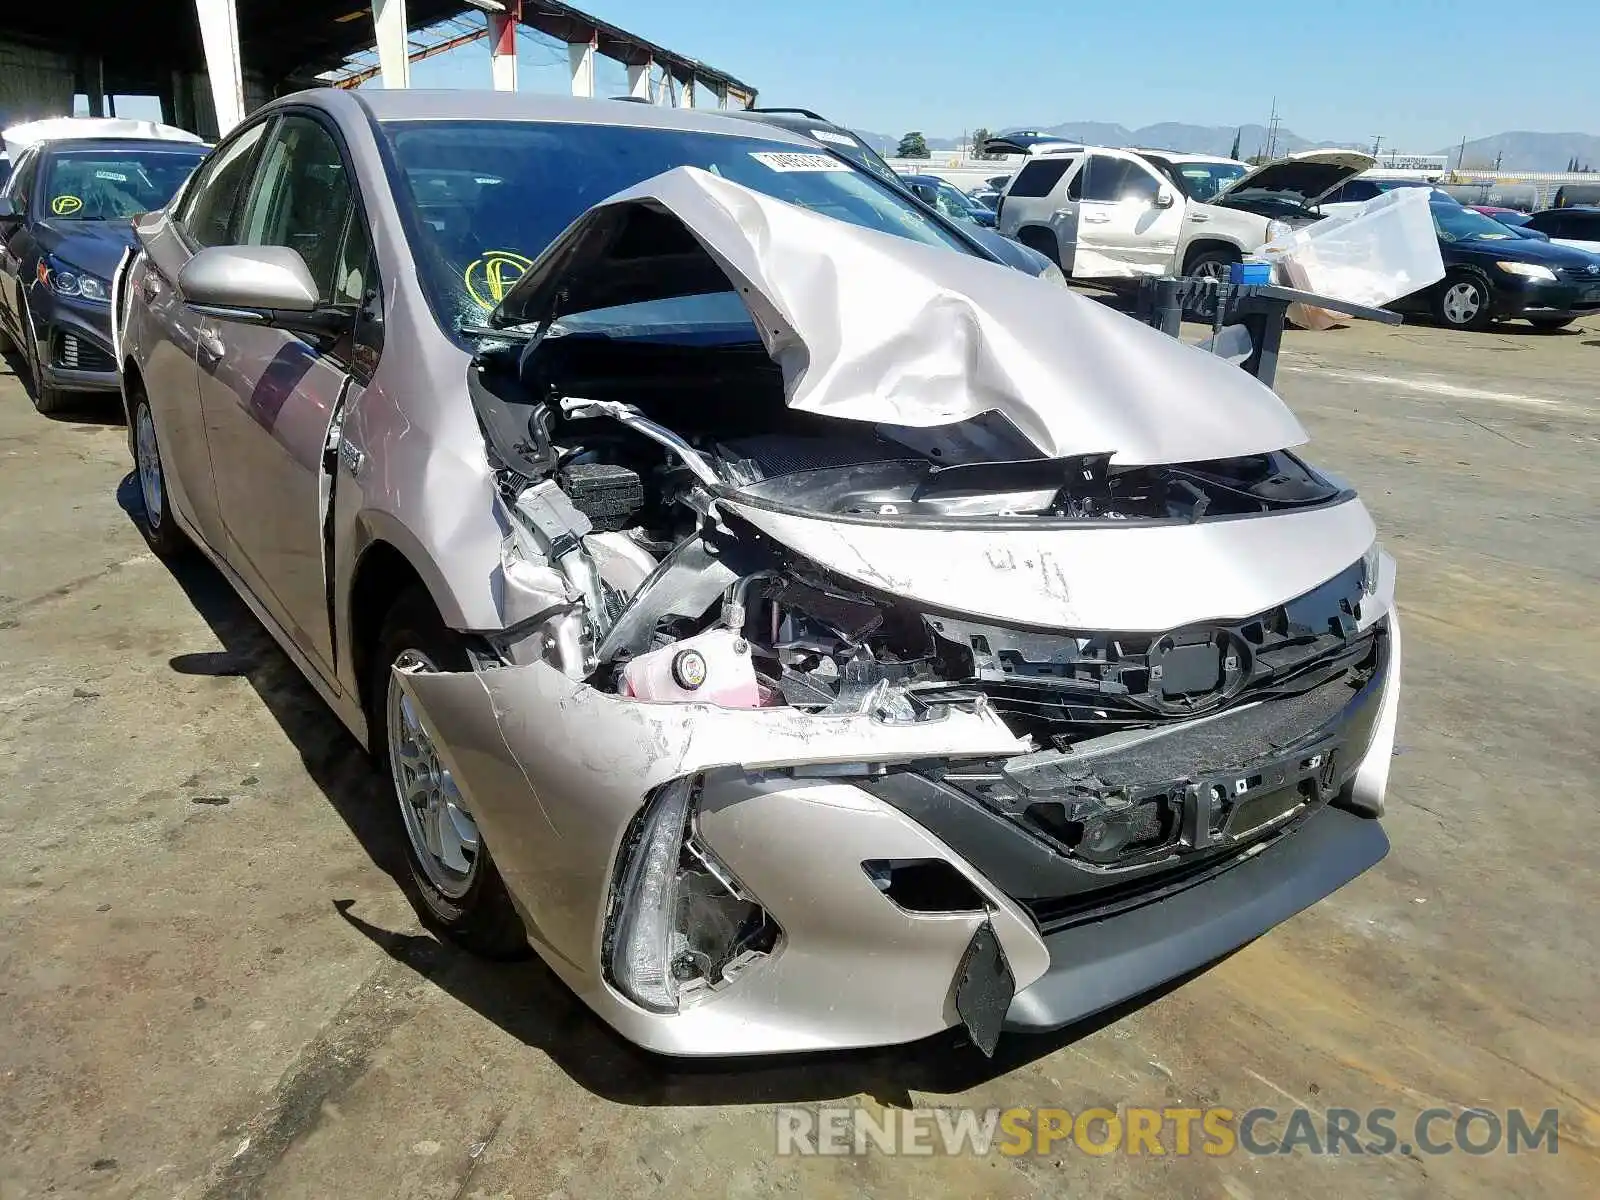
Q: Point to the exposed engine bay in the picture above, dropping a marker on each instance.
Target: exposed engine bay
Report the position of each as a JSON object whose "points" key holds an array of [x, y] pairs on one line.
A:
{"points": [[614, 454]]}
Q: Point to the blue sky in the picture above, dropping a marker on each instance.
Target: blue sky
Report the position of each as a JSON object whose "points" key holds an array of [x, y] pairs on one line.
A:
{"points": [[1422, 73]]}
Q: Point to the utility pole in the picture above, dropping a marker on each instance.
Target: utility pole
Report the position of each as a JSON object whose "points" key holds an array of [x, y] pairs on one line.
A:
{"points": [[1377, 144], [1272, 132], [1461, 159]]}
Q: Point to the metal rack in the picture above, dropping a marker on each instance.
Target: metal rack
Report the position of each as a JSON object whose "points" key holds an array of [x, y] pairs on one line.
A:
{"points": [[1260, 307]]}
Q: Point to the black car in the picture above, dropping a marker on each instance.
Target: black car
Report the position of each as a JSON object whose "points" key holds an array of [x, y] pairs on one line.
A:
{"points": [[1576, 227], [65, 219], [848, 146], [1494, 273]]}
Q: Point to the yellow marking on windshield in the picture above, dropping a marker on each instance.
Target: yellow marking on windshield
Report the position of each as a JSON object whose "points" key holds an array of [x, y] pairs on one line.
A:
{"points": [[489, 278], [65, 206]]}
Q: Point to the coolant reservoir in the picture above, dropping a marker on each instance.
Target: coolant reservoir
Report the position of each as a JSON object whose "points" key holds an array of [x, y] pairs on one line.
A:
{"points": [[713, 667]]}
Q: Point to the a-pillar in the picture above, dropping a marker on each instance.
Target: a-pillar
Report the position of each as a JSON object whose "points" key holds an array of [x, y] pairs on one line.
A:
{"points": [[639, 79], [503, 46], [219, 37], [581, 57], [394, 55]]}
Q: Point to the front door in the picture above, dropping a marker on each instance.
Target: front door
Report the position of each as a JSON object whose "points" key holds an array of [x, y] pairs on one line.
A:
{"points": [[1123, 231], [269, 396]]}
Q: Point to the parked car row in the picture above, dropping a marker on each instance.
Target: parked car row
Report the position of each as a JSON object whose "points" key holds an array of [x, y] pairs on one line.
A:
{"points": [[755, 596], [65, 220]]}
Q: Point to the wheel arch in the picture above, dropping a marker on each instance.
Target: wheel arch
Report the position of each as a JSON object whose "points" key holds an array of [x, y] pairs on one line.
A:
{"points": [[388, 563], [1041, 238], [1209, 244]]}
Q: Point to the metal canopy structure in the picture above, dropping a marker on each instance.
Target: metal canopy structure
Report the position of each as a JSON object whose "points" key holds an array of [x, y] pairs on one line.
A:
{"points": [[258, 48]]}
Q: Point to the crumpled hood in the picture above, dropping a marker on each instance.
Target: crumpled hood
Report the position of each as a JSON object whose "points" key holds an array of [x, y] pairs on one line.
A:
{"points": [[868, 326], [92, 246]]}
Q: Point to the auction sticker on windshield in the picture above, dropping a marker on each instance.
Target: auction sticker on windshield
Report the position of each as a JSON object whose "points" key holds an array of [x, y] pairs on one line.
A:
{"points": [[489, 278], [65, 206], [790, 160]]}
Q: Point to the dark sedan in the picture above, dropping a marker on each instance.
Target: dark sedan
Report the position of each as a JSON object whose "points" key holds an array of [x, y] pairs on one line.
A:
{"points": [[1494, 273], [65, 220]]}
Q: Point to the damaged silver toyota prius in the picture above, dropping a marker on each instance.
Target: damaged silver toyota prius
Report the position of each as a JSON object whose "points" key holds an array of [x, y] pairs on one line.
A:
{"points": [[801, 630]]}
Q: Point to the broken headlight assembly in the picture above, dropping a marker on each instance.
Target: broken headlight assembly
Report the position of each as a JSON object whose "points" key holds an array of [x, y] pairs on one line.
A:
{"points": [[680, 926], [1371, 568]]}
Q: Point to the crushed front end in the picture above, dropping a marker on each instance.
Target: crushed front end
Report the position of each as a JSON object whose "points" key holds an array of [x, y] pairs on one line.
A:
{"points": [[818, 723]]}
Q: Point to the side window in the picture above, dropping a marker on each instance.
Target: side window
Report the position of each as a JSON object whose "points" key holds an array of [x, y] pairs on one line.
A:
{"points": [[1583, 226], [213, 201], [302, 200], [1552, 224], [1108, 177], [20, 186], [1040, 176], [1139, 183]]}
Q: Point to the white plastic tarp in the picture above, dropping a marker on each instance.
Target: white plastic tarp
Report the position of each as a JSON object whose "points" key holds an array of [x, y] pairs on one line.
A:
{"points": [[1377, 253], [54, 129]]}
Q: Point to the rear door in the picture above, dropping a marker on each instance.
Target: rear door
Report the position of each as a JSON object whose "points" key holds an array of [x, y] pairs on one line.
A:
{"points": [[270, 396], [1032, 209], [1123, 230]]}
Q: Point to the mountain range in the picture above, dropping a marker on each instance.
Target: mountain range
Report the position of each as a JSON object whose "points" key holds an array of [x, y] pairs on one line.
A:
{"points": [[1517, 150]]}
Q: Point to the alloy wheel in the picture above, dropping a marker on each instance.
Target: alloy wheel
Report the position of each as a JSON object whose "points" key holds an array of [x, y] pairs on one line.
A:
{"points": [[148, 458], [444, 837]]}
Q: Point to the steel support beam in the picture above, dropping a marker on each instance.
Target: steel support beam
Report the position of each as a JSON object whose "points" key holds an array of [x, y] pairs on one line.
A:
{"points": [[503, 46], [580, 55], [219, 36], [639, 79], [394, 55]]}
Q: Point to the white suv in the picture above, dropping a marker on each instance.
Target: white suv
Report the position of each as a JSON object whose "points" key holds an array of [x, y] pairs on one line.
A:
{"points": [[1116, 214]]}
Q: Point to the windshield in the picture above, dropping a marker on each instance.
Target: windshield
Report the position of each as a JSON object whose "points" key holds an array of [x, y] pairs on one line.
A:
{"points": [[1204, 180], [489, 196], [112, 185], [1457, 224]]}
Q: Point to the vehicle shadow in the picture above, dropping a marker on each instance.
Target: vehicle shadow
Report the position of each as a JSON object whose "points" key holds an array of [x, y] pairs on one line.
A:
{"points": [[525, 998], [86, 408]]}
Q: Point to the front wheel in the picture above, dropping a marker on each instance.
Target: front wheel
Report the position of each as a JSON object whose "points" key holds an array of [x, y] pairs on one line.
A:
{"points": [[47, 400], [1550, 324], [456, 886], [155, 518], [1463, 302]]}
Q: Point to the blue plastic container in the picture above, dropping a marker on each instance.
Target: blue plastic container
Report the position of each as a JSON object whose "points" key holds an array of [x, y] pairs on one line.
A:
{"points": [[1250, 272]]}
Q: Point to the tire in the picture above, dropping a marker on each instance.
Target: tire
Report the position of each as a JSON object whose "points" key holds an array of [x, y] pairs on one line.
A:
{"points": [[1463, 301], [47, 400], [1211, 264], [472, 908], [155, 519], [1550, 324]]}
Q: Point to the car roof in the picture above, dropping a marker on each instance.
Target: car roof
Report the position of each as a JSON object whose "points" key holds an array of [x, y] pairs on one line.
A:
{"points": [[104, 143], [420, 104]]}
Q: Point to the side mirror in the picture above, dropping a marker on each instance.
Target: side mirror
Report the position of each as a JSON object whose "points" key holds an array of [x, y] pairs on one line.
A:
{"points": [[249, 282], [1165, 199]]}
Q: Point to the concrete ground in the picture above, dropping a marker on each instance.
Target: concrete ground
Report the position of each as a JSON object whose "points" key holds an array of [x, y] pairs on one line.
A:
{"points": [[211, 984]]}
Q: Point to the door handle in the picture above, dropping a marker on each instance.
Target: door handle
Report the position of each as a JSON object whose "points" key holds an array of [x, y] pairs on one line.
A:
{"points": [[211, 342], [1095, 218]]}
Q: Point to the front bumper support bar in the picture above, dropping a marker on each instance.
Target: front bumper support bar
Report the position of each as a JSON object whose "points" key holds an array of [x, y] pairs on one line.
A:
{"points": [[1096, 965]]}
